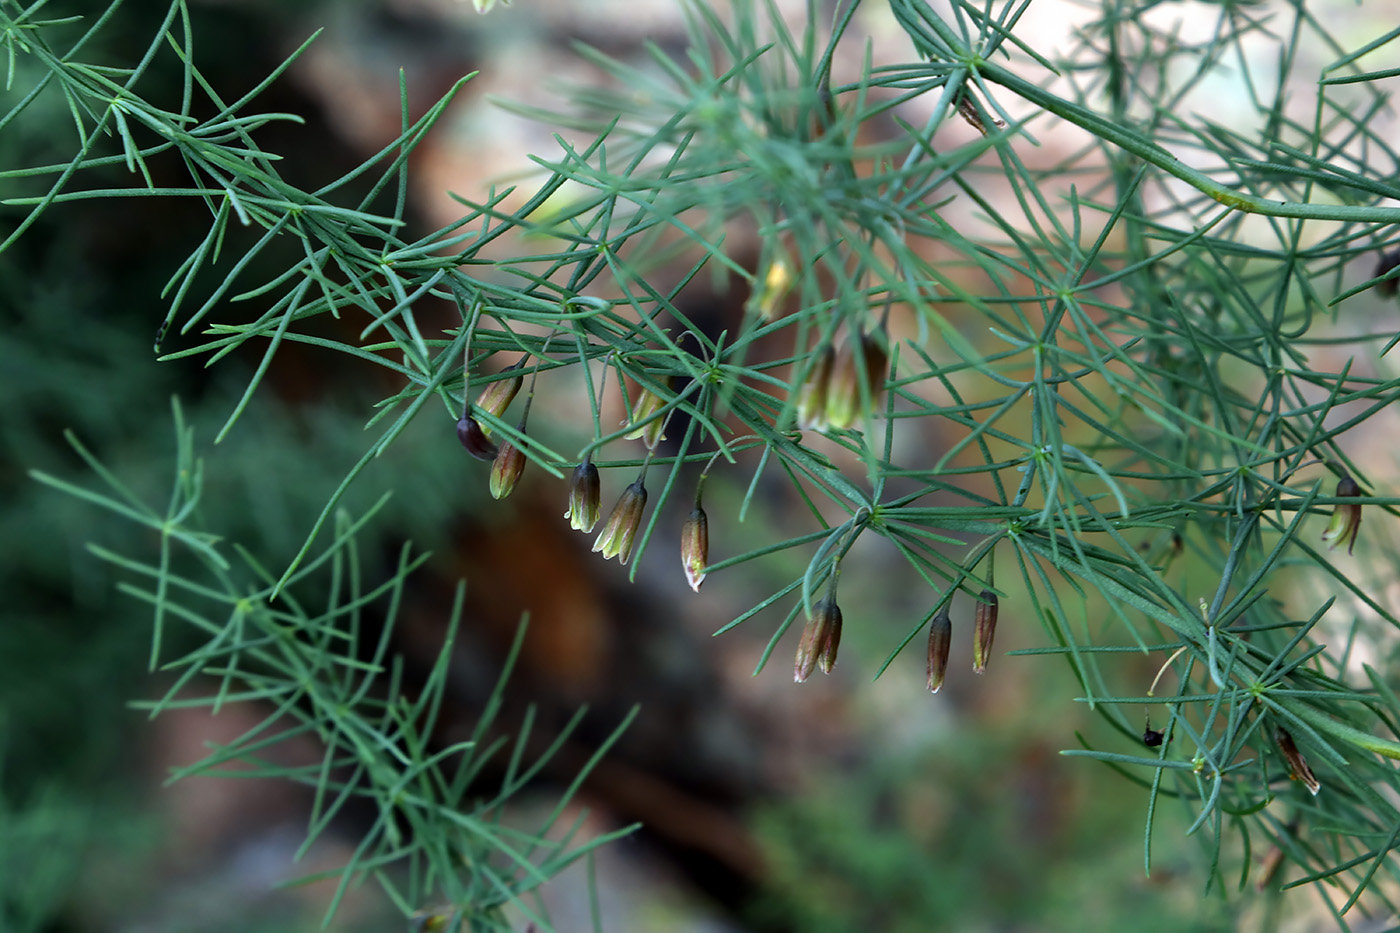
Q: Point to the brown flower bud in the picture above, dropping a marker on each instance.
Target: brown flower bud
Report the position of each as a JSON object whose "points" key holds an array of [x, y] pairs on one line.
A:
{"points": [[620, 530], [474, 439], [695, 547], [1346, 517], [984, 629], [498, 394], [648, 405], [812, 394], [506, 469], [1298, 768], [971, 112], [584, 492], [940, 638], [857, 380], [820, 639]]}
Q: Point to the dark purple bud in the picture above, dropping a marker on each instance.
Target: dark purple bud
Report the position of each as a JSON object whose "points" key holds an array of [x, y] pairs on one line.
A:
{"points": [[1151, 737], [474, 439]]}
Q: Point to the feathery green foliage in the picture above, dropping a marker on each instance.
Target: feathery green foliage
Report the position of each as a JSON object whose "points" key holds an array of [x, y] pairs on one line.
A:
{"points": [[1053, 314]]}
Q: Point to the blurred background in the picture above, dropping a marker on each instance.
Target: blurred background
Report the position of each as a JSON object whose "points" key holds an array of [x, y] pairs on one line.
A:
{"points": [[838, 805]]}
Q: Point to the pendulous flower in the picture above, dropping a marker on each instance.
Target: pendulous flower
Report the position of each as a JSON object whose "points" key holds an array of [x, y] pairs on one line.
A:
{"points": [[620, 530], [474, 439], [506, 469], [812, 394], [695, 547], [857, 380], [940, 638], [584, 492], [984, 629], [1346, 517], [648, 405], [498, 395], [1298, 768], [820, 639]]}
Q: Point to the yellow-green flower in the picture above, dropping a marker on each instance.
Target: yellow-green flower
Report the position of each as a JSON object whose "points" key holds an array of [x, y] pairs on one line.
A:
{"points": [[506, 469], [620, 530], [857, 380], [498, 394], [777, 280], [812, 394], [1346, 517], [648, 405], [584, 492], [695, 547]]}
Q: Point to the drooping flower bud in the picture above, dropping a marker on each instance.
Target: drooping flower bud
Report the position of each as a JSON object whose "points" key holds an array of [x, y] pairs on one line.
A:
{"points": [[498, 395], [648, 404], [776, 282], [969, 111], [984, 629], [695, 547], [584, 492], [1346, 517], [1152, 738], [820, 639], [812, 394], [1298, 768], [506, 469], [857, 380], [940, 638], [474, 439], [620, 530]]}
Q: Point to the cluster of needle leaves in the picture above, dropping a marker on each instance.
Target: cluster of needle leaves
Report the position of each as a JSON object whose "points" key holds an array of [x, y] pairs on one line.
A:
{"points": [[1133, 351]]}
